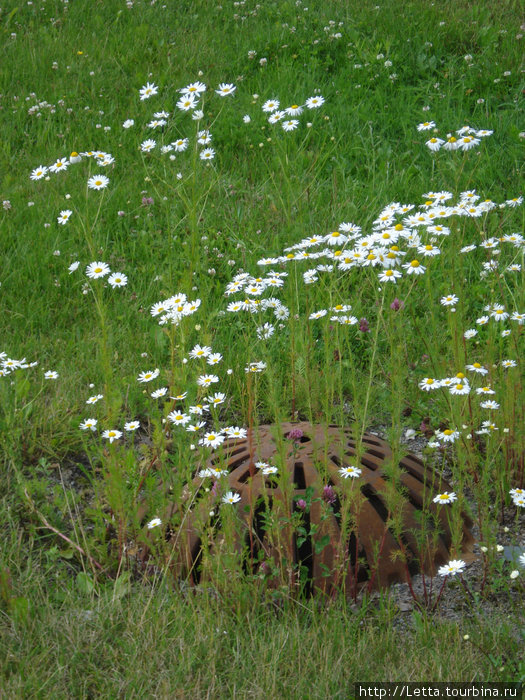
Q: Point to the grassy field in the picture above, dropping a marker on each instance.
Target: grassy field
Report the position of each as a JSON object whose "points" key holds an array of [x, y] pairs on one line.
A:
{"points": [[220, 216]]}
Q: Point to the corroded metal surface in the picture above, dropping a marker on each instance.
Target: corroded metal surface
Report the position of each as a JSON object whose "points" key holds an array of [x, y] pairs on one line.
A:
{"points": [[351, 537]]}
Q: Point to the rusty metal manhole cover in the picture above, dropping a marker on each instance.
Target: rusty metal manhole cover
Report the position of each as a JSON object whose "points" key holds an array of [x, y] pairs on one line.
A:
{"points": [[331, 531]]}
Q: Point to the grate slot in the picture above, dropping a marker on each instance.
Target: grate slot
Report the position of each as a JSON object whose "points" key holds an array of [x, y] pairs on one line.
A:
{"points": [[244, 477], [298, 476]]}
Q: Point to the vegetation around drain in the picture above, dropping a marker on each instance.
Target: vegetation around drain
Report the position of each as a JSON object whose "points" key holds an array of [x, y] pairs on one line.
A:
{"points": [[319, 513]]}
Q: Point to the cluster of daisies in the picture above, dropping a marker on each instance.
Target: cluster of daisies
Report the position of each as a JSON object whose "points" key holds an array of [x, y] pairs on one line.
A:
{"points": [[215, 471], [465, 139], [229, 498], [419, 232], [191, 92], [518, 498], [96, 182], [459, 385], [191, 101], [193, 417], [99, 270], [172, 310], [180, 145], [252, 288], [401, 231], [287, 117], [111, 434], [9, 365], [404, 242], [457, 566]]}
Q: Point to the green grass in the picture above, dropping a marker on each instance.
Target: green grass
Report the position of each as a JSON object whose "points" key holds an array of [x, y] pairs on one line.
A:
{"points": [[166, 645], [381, 72]]}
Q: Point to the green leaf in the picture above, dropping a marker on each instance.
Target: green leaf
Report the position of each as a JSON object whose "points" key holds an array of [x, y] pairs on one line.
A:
{"points": [[325, 571], [321, 544], [85, 583], [121, 586], [67, 553]]}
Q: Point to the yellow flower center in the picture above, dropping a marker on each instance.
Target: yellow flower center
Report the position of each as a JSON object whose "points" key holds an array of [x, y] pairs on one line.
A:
{"points": [[415, 263]]}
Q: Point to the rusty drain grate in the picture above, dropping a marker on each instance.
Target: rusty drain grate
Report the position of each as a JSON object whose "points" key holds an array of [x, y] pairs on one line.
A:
{"points": [[373, 553]]}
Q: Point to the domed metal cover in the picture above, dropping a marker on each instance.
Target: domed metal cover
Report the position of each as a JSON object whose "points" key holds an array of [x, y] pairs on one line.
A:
{"points": [[340, 532]]}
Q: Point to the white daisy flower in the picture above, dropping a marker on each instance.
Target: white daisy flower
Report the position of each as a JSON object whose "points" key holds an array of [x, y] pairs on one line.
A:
{"points": [[453, 567], [148, 91], [225, 89], [64, 216], [98, 182], [97, 269], [231, 498], [148, 376], [112, 435], [117, 279], [89, 424]]}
